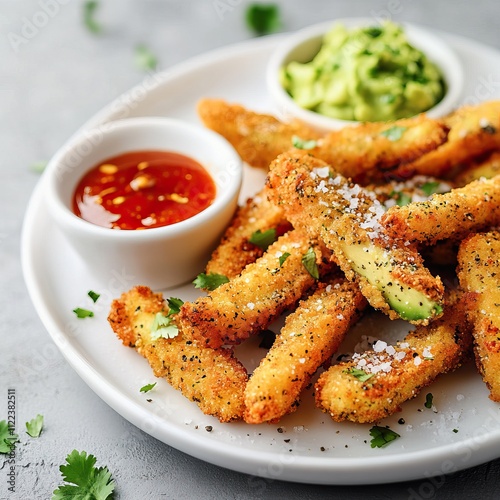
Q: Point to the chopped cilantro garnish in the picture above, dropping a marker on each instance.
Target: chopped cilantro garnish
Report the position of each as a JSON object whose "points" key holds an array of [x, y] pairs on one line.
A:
{"points": [[403, 199], [83, 313], [394, 133], [361, 375], [174, 305], [38, 166], [145, 59], [163, 327], [93, 295], [263, 18], [263, 238], [381, 436], [84, 480], [428, 400], [8, 438], [89, 9], [309, 262], [283, 257], [147, 387], [34, 426], [210, 281], [299, 143], [430, 187]]}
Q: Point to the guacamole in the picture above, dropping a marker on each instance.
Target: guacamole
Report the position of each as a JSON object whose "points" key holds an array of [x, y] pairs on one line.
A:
{"points": [[367, 74]]}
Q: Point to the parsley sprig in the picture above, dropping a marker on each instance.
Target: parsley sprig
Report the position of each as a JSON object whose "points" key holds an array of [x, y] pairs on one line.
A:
{"points": [[8, 438], [210, 281], [34, 426], [263, 238], [382, 436]]}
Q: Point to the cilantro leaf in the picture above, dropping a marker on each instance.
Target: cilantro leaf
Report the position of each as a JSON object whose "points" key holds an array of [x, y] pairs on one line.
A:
{"points": [[263, 238], [309, 262], [428, 400], [38, 166], [403, 199], [163, 327], [394, 133], [382, 436], [89, 10], [283, 257], [299, 143], [87, 482], [83, 313], [8, 438], [144, 58], [263, 18], [210, 281], [147, 387], [430, 187], [93, 295], [174, 305], [361, 375], [34, 426]]}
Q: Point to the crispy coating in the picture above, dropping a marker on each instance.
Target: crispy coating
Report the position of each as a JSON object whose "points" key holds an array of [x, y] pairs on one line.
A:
{"points": [[474, 130], [213, 378], [479, 272], [450, 215], [310, 336], [426, 353], [346, 218], [235, 251], [250, 301], [258, 138], [487, 167], [369, 152]]}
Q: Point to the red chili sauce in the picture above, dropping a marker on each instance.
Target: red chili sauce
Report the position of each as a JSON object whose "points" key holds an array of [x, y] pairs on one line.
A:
{"points": [[142, 190]]}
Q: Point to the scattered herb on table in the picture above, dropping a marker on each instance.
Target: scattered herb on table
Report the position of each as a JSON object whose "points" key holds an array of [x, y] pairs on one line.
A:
{"points": [[93, 295], [89, 10], [84, 480], [38, 166], [144, 58], [262, 18], [34, 426], [428, 400], [8, 438]]}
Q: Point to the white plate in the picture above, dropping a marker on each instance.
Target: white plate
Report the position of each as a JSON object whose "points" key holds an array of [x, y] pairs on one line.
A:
{"points": [[307, 446]]}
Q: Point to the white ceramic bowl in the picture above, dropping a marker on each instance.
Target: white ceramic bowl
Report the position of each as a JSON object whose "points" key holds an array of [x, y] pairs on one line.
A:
{"points": [[160, 257], [303, 45]]}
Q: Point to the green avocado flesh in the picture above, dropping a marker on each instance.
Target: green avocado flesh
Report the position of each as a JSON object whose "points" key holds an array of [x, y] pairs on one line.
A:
{"points": [[367, 74], [373, 263]]}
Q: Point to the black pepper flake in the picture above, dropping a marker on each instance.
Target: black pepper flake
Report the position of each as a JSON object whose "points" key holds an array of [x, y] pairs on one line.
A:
{"points": [[401, 421], [208, 428], [280, 430], [286, 440], [322, 448]]}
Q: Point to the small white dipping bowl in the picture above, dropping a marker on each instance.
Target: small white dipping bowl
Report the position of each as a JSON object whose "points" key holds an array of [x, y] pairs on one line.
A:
{"points": [[161, 257], [303, 45]]}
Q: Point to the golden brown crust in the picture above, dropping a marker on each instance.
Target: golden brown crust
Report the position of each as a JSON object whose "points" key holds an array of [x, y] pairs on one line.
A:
{"points": [[345, 216], [213, 378], [258, 138], [479, 272], [487, 167], [310, 336], [450, 215], [235, 251], [474, 130], [364, 153], [428, 352], [249, 302]]}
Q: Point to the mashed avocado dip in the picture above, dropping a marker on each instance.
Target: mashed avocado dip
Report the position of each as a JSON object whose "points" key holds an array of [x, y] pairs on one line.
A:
{"points": [[367, 74]]}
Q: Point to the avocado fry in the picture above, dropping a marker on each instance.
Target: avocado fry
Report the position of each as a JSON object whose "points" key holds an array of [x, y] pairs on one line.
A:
{"points": [[236, 250], [310, 336], [346, 218], [374, 384], [213, 378], [453, 215], [479, 273]]}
